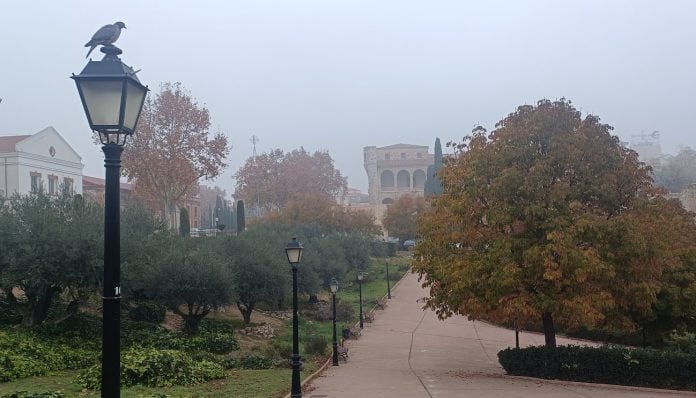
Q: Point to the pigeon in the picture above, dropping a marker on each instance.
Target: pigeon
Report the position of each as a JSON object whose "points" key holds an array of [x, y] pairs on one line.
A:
{"points": [[106, 35]]}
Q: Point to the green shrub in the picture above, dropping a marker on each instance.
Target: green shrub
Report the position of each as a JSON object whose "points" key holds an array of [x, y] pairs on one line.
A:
{"points": [[316, 345], [26, 394], [280, 348], [606, 336], [148, 311], [23, 354], [682, 341], [215, 339], [156, 368], [80, 330], [610, 365], [8, 313], [250, 361]]}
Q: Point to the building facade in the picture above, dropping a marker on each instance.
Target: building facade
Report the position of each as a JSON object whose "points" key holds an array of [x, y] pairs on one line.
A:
{"points": [[396, 170], [43, 160]]}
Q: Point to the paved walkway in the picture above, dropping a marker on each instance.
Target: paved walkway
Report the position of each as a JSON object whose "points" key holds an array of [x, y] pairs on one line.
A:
{"points": [[407, 352]]}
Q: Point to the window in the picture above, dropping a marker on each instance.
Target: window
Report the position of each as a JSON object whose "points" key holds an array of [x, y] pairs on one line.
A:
{"points": [[386, 156], [403, 155], [68, 185], [52, 184], [35, 181], [195, 212], [419, 155]]}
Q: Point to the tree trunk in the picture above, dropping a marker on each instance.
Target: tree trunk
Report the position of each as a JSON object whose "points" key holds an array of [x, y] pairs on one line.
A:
{"points": [[36, 310], [191, 322], [549, 329], [245, 309]]}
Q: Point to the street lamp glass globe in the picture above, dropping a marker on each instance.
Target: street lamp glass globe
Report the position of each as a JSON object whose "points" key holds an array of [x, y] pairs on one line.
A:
{"points": [[360, 276], [333, 285], [294, 251]]}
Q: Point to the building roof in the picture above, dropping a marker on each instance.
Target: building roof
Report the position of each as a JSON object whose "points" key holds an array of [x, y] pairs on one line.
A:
{"points": [[88, 182], [403, 146], [8, 143]]}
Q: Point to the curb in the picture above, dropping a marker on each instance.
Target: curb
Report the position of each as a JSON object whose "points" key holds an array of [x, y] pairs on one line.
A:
{"points": [[601, 385]]}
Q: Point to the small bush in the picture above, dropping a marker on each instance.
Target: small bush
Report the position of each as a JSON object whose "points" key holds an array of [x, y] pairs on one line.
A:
{"points": [[316, 345], [8, 313], [323, 311], [280, 348], [23, 355], [606, 336], [148, 311], [610, 365], [26, 394], [250, 361], [156, 368], [682, 341]]}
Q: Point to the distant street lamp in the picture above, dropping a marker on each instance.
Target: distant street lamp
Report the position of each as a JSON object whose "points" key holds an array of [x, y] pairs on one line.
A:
{"points": [[334, 288], [360, 279], [386, 245], [294, 252], [112, 97]]}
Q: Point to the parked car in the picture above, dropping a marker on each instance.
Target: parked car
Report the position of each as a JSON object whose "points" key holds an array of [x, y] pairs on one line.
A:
{"points": [[408, 244]]}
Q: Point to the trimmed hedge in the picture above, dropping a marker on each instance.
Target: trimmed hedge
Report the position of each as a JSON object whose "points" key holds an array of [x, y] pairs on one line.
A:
{"points": [[608, 365]]}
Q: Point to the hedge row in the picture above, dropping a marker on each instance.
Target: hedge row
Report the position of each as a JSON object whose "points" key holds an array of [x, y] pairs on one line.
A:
{"points": [[609, 365]]}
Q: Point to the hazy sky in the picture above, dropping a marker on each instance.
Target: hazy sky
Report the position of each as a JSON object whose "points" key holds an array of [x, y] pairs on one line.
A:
{"points": [[341, 75]]}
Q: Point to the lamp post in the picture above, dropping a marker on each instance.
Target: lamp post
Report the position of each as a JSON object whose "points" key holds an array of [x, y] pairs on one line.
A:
{"points": [[387, 263], [334, 288], [112, 97], [294, 252], [360, 279]]}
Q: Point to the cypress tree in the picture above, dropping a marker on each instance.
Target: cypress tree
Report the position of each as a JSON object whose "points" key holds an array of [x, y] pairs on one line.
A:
{"points": [[184, 224], [241, 222], [433, 186]]}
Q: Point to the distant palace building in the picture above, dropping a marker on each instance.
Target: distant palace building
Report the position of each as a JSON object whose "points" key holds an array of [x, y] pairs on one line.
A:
{"points": [[396, 170]]}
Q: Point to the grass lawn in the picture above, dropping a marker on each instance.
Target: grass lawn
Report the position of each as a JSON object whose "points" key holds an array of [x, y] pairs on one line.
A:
{"points": [[240, 383]]}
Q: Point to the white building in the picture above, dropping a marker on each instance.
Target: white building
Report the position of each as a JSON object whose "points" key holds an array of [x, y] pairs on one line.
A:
{"points": [[44, 159]]}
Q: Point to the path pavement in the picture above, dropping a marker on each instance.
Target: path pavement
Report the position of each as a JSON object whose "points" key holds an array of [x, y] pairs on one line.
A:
{"points": [[407, 352]]}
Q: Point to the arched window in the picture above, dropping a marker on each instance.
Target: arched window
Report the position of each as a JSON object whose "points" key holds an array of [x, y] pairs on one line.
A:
{"points": [[387, 179], [403, 180], [387, 201], [419, 179]]}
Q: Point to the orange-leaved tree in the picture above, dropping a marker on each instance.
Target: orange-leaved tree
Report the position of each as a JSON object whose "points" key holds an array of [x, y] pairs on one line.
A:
{"points": [[270, 180], [544, 221], [401, 217], [173, 149]]}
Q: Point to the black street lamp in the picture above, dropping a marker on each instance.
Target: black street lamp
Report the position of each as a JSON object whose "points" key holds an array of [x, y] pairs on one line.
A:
{"points": [[360, 279], [386, 245], [112, 97], [294, 252], [334, 288]]}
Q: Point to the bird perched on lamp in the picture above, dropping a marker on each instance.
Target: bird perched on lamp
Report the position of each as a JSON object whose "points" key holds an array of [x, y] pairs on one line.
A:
{"points": [[105, 36]]}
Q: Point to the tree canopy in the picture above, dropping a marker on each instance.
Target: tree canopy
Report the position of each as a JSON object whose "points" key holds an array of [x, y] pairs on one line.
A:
{"points": [[271, 180], [678, 172], [49, 245], [401, 217], [173, 150], [544, 219]]}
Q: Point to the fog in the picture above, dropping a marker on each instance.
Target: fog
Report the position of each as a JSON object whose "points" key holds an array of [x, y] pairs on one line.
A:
{"points": [[341, 75]]}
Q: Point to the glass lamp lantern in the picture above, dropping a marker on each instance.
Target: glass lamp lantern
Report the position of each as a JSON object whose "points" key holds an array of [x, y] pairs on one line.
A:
{"points": [[333, 285], [294, 252], [112, 96]]}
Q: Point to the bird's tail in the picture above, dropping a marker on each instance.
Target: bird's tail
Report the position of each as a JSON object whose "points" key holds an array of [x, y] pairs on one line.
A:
{"points": [[90, 50]]}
